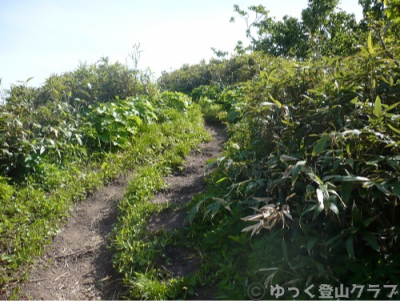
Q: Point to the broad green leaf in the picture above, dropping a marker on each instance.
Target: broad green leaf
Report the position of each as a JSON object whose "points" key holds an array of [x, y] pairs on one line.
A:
{"points": [[5, 151], [382, 188], [319, 208], [270, 277], [314, 177], [391, 107], [357, 219], [275, 101], [371, 239], [288, 158], [334, 208], [302, 148], [350, 161], [311, 242], [7, 258], [193, 211], [346, 191], [320, 145], [214, 207], [393, 128], [78, 138], [310, 208], [351, 179], [266, 103], [105, 137], [320, 196], [348, 149], [221, 180], [378, 107], [336, 164], [364, 52], [370, 46], [296, 170], [349, 246]]}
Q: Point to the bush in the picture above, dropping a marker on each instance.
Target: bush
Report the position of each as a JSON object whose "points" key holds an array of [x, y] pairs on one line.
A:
{"points": [[314, 152]]}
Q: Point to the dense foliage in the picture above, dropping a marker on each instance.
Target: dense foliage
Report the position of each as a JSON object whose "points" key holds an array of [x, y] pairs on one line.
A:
{"points": [[53, 123], [68, 137], [310, 175], [306, 191], [315, 153], [323, 29], [239, 68]]}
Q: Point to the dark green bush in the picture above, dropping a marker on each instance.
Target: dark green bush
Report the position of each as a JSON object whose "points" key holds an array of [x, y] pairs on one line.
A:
{"points": [[314, 151]]}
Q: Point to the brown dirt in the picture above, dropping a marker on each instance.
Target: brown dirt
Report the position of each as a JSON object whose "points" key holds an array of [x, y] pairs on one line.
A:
{"points": [[78, 264], [185, 184], [182, 187]]}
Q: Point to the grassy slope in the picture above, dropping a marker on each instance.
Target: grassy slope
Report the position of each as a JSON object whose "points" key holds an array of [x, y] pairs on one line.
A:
{"points": [[31, 213]]}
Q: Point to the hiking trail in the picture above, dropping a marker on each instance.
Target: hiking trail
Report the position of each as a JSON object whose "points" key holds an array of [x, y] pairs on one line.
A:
{"points": [[78, 263]]}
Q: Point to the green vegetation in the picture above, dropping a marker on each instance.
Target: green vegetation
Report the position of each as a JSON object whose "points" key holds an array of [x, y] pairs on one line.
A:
{"points": [[314, 159], [57, 148], [136, 250], [307, 189], [305, 192]]}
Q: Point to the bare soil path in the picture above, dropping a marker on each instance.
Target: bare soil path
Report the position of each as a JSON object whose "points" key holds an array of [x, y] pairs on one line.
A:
{"points": [[78, 264]]}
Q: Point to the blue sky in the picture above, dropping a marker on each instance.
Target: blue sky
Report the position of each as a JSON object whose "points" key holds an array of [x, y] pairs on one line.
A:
{"points": [[41, 37]]}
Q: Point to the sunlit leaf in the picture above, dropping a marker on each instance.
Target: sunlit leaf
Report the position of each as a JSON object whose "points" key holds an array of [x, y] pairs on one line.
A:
{"points": [[370, 46], [378, 107], [320, 196], [393, 128], [266, 103], [350, 178], [276, 101], [296, 171], [221, 180], [288, 158]]}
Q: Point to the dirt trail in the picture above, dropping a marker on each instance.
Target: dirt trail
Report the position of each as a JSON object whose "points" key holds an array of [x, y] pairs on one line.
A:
{"points": [[78, 264], [184, 184]]}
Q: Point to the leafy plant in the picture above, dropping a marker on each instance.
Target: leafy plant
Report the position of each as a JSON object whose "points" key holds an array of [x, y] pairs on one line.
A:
{"points": [[313, 159]]}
